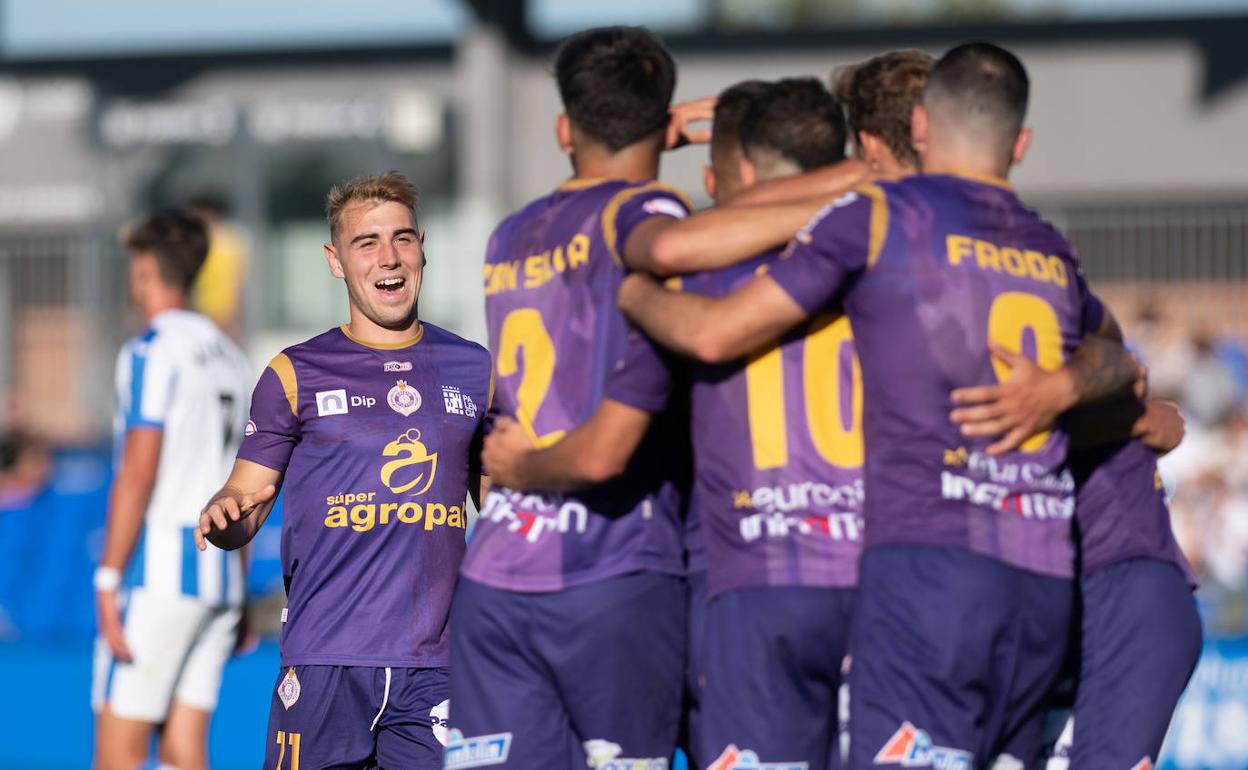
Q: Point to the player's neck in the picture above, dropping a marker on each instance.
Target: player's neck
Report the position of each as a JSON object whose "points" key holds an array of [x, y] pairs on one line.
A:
{"points": [[158, 304], [635, 163], [965, 164], [364, 331]]}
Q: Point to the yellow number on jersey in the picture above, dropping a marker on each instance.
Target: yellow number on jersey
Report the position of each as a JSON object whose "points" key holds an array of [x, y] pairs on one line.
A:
{"points": [[291, 739], [1010, 316], [836, 443], [524, 329]]}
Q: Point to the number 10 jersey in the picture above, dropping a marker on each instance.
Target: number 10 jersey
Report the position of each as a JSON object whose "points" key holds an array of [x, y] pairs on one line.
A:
{"points": [[560, 346]]}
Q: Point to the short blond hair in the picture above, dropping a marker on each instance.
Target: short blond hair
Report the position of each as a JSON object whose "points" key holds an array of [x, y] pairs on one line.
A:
{"points": [[390, 187]]}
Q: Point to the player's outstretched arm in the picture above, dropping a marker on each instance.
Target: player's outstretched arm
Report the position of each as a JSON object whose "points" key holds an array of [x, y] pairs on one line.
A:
{"points": [[1031, 399], [723, 236], [233, 516], [127, 501], [834, 180], [595, 451], [709, 329]]}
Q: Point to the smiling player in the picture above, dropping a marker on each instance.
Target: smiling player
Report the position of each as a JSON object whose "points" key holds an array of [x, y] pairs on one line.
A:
{"points": [[372, 426]]}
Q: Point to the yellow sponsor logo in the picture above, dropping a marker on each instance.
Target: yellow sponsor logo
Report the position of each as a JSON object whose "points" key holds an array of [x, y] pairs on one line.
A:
{"points": [[1020, 263], [414, 464], [364, 516]]}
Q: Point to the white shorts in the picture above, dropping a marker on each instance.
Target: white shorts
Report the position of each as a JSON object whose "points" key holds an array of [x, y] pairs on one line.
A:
{"points": [[179, 646]]}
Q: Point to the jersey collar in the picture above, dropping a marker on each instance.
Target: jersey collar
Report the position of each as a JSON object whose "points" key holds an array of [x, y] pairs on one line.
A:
{"points": [[407, 343]]}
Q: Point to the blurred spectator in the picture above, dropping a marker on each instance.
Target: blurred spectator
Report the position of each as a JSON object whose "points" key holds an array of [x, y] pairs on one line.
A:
{"points": [[219, 288], [25, 465], [1209, 390]]}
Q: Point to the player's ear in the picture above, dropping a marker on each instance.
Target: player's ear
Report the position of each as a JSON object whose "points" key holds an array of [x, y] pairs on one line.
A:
{"points": [[331, 257], [919, 129], [1020, 146], [708, 180], [563, 133]]}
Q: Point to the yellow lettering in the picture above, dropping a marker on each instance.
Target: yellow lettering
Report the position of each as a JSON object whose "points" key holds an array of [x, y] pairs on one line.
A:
{"points": [[383, 515], [959, 248], [986, 256], [1037, 265], [1014, 264], [363, 517], [1057, 269], [337, 517], [556, 259], [537, 270], [435, 513], [456, 517], [409, 513], [578, 250]]}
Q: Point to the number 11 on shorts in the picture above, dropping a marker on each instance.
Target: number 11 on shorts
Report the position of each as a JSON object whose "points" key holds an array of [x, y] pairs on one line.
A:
{"points": [[285, 739]]}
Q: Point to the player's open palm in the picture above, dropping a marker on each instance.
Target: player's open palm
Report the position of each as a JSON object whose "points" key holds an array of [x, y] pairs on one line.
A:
{"points": [[1026, 403], [108, 617], [228, 508]]}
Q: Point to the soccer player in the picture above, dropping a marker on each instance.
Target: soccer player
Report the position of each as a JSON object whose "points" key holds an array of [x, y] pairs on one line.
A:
{"points": [[168, 627], [778, 456], [965, 588], [569, 642], [372, 427]]}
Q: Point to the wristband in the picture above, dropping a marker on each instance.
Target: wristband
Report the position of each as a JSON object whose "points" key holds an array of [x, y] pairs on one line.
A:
{"points": [[107, 578]]}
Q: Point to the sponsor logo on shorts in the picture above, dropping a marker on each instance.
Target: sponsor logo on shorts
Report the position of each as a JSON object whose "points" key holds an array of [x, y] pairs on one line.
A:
{"points": [[605, 755], [667, 207], [438, 716], [476, 751], [912, 747], [733, 758], [458, 402], [403, 398], [397, 366], [331, 402], [288, 689], [1144, 764], [250, 430]]}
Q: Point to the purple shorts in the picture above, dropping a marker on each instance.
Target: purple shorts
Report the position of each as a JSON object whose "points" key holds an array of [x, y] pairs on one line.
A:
{"points": [[953, 657], [695, 674], [592, 675], [773, 661], [357, 717], [1139, 645]]}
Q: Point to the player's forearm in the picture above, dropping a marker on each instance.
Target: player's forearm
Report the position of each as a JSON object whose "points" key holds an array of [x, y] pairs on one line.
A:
{"points": [[678, 321], [720, 237], [565, 466], [1100, 368], [241, 532], [127, 505], [831, 180]]}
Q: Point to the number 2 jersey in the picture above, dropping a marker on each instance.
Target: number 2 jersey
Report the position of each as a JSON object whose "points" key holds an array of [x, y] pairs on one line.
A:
{"points": [[560, 346], [184, 377], [777, 446], [377, 445], [932, 269]]}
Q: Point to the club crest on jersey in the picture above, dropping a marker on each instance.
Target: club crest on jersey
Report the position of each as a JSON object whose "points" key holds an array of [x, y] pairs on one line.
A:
{"points": [[733, 758], [288, 689], [403, 398], [912, 747], [397, 366], [250, 430], [410, 452]]}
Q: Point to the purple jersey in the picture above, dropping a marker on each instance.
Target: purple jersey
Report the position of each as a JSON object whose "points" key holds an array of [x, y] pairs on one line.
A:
{"points": [[560, 346], [777, 441], [932, 269], [1121, 509], [376, 445]]}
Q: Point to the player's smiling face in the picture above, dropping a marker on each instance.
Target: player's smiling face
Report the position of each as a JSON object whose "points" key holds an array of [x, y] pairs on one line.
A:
{"points": [[378, 253]]}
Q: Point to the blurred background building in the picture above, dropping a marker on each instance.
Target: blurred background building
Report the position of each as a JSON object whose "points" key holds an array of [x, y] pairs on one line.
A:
{"points": [[248, 110]]}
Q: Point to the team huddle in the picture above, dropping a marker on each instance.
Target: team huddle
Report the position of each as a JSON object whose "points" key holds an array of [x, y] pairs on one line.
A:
{"points": [[849, 470]]}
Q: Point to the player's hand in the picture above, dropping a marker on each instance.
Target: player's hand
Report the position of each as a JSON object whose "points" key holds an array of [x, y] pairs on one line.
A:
{"points": [[227, 508], [633, 291], [503, 451], [1028, 402], [108, 618], [678, 132], [1162, 426], [1141, 380]]}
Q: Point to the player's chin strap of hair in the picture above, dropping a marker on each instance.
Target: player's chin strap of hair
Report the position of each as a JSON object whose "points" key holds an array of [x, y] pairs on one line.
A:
{"points": [[385, 698]]}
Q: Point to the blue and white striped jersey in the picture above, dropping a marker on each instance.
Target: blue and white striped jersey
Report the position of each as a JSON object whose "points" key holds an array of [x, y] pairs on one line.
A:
{"points": [[185, 377]]}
